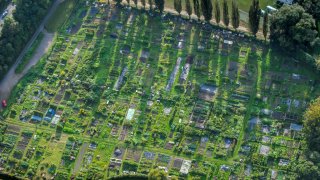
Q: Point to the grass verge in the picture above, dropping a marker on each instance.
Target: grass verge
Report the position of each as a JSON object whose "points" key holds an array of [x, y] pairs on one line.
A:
{"points": [[29, 54]]}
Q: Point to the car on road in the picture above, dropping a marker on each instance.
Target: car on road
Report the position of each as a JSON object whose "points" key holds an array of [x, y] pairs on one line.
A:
{"points": [[4, 103], [4, 14]]}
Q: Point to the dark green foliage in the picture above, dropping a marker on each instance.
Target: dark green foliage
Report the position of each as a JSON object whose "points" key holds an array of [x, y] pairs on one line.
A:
{"points": [[265, 27], [196, 7], [254, 17], [312, 7], [16, 32], [188, 8], [206, 7], [160, 5], [118, 2], [178, 6], [225, 12], [3, 5], [235, 16], [217, 12], [292, 27]]}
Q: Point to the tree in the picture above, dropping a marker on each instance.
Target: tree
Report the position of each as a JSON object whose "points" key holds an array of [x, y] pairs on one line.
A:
{"points": [[156, 174], [225, 12], [311, 6], [150, 5], [143, 2], [178, 6], [235, 16], [160, 5], [307, 170], [311, 123], [292, 27], [196, 7], [118, 2], [217, 12], [135, 2], [188, 8], [265, 27], [206, 7], [254, 17]]}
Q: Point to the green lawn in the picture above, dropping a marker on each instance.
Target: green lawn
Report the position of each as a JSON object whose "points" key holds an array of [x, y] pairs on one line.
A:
{"points": [[60, 15]]}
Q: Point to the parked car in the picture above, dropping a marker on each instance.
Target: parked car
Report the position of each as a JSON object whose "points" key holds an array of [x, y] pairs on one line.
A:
{"points": [[4, 103], [4, 14]]}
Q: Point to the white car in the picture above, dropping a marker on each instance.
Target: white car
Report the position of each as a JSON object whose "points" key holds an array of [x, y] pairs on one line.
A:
{"points": [[4, 14]]}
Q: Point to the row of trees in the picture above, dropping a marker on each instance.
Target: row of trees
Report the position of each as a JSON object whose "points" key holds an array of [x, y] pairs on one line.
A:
{"points": [[17, 31]]}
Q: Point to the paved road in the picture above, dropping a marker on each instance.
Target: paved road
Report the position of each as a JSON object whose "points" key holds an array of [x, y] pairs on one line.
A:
{"points": [[11, 79]]}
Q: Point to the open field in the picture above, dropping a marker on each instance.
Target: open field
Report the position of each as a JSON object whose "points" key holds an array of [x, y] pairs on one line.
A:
{"points": [[122, 92]]}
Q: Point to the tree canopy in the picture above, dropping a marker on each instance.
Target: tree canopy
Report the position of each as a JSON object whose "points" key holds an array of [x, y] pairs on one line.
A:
{"points": [[311, 124], [311, 6], [254, 17], [206, 6], [292, 27], [160, 5]]}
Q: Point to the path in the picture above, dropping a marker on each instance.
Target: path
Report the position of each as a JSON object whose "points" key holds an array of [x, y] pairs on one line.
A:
{"points": [[11, 78], [77, 164]]}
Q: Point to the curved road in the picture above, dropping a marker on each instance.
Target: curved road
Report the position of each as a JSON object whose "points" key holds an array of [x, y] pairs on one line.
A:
{"points": [[11, 78]]}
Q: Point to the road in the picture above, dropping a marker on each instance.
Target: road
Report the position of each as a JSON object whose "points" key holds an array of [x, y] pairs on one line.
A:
{"points": [[11, 78], [10, 10]]}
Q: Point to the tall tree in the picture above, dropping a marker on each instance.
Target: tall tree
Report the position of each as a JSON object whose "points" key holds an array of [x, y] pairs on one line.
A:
{"points": [[196, 7], [160, 5], [118, 2], [188, 8], [150, 5], [225, 12], [235, 16], [178, 6], [206, 7], [135, 2], [143, 2], [265, 27], [217, 12], [292, 28], [254, 17]]}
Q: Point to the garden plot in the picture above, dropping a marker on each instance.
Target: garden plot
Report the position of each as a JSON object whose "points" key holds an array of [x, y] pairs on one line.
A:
{"points": [[112, 81], [133, 155], [147, 161], [173, 74], [200, 114], [163, 160]]}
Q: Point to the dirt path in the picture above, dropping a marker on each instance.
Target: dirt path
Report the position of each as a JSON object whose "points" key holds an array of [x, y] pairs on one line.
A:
{"points": [[11, 79], [77, 164]]}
